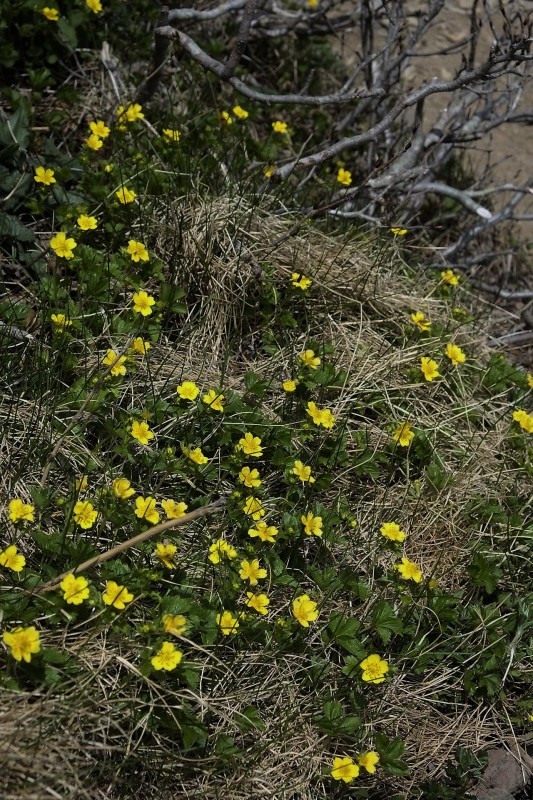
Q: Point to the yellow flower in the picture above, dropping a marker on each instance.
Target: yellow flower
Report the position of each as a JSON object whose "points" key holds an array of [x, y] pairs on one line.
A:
{"points": [[312, 525], [320, 416], [524, 419], [227, 623], [263, 531], [84, 514], [449, 276], [344, 769], [63, 245], [173, 510], [409, 570], [344, 177], [188, 390], [530, 380], [75, 589], [137, 251], [259, 602], [374, 668], [369, 761], [455, 354], [60, 321], [299, 281], [429, 368], [166, 553], [12, 559], [116, 595], [195, 455], [239, 112], [118, 367], [420, 321], [53, 15], [398, 231], [122, 488], [279, 127], [146, 509], [312, 3], [141, 432], [269, 171], [81, 483], [175, 624], [225, 118], [23, 643], [250, 477], [403, 434], [125, 195], [251, 445], [142, 303], [304, 610], [94, 142], [44, 176], [290, 385], [87, 223], [254, 508], [100, 129], [221, 548], [392, 531], [140, 346], [252, 572], [167, 657], [214, 400], [20, 512], [130, 114], [94, 5], [302, 472], [171, 135], [309, 359]]}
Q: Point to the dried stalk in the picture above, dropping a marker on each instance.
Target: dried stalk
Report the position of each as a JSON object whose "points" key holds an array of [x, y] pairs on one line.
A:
{"points": [[213, 508]]}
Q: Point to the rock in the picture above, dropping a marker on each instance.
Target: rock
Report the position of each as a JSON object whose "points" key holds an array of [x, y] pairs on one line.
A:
{"points": [[504, 777]]}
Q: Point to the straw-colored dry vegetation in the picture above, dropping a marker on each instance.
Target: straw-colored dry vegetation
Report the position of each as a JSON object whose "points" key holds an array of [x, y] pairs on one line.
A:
{"points": [[260, 706]]}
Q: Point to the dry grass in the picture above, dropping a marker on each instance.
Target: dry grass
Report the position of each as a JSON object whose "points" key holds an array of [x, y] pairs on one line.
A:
{"points": [[94, 737]]}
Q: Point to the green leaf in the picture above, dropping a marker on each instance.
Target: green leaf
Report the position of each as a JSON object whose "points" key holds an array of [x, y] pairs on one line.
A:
{"points": [[255, 384], [249, 720], [484, 573], [390, 751], [225, 746], [193, 733], [335, 720], [11, 228], [68, 32], [343, 630], [385, 621], [19, 124], [352, 667], [170, 296]]}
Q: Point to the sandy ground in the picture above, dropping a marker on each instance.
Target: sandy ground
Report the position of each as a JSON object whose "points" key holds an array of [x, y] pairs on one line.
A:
{"points": [[509, 149]]}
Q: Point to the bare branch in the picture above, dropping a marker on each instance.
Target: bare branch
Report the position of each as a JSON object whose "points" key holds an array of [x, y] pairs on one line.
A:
{"points": [[189, 14], [457, 194], [464, 79], [211, 64], [241, 41]]}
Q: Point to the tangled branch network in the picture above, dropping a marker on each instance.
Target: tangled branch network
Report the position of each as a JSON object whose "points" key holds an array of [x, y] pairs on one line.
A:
{"points": [[402, 150]]}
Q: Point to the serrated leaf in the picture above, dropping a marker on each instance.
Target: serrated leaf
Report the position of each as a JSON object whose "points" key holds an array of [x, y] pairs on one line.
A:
{"points": [[11, 228], [385, 621], [249, 720]]}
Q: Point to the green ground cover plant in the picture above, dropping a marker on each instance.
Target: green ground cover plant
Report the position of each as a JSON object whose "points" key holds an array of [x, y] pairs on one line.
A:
{"points": [[266, 497]]}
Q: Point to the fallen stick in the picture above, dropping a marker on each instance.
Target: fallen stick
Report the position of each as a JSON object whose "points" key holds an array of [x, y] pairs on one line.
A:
{"points": [[205, 511]]}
